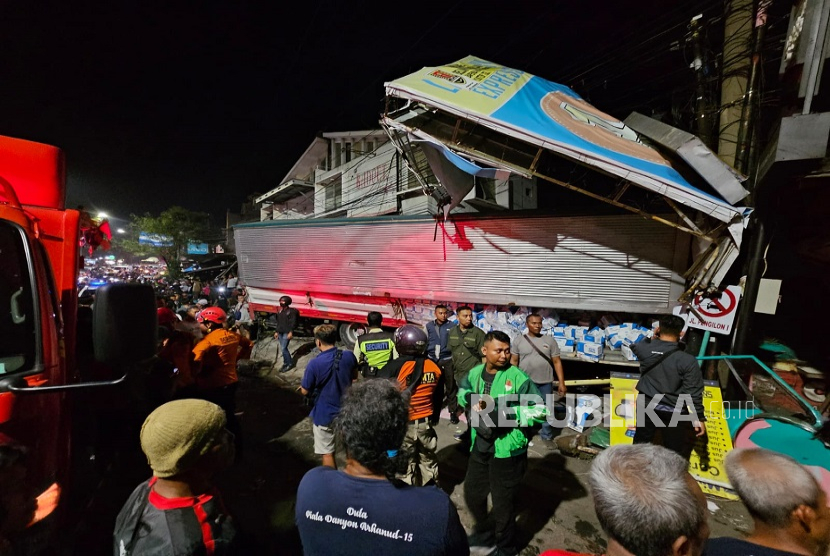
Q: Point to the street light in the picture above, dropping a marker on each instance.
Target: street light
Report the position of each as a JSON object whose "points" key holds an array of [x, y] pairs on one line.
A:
{"points": [[103, 215], [121, 231]]}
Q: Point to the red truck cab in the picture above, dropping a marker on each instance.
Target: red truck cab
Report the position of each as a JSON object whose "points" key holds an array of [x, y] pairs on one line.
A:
{"points": [[39, 247]]}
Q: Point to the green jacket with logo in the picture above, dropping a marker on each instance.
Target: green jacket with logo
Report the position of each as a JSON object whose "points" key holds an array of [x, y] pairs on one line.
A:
{"points": [[510, 441]]}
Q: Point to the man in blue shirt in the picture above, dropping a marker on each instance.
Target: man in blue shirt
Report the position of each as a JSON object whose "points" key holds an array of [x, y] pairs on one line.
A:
{"points": [[438, 349], [326, 378]]}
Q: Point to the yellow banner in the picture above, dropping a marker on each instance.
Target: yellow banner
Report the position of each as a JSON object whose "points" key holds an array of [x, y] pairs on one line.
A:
{"points": [[623, 407], [706, 462], [474, 84]]}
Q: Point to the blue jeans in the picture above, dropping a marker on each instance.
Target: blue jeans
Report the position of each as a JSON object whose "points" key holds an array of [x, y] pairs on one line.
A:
{"points": [[286, 355], [547, 430]]}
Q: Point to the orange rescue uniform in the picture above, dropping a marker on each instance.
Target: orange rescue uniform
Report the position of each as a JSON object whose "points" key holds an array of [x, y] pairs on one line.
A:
{"points": [[421, 404], [218, 353]]}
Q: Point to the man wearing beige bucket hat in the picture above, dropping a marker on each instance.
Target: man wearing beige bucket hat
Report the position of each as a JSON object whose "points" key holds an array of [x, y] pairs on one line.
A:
{"points": [[178, 511]]}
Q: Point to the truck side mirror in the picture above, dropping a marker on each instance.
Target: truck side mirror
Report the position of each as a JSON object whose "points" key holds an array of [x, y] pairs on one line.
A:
{"points": [[124, 323], [124, 331]]}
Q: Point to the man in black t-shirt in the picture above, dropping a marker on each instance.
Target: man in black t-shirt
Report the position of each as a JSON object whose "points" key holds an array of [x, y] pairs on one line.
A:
{"points": [[787, 505], [671, 383], [286, 320]]}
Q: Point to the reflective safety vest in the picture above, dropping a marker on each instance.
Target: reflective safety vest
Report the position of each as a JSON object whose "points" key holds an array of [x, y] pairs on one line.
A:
{"points": [[377, 348]]}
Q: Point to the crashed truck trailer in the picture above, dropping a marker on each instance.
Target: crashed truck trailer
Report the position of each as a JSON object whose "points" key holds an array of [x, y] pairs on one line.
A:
{"points": [[402, 266]]}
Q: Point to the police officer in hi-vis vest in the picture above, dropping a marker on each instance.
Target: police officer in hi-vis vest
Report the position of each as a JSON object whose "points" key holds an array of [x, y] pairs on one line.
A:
{"points": [[375, 348]]}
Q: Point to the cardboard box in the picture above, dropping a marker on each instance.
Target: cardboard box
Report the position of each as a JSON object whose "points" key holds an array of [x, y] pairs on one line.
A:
{"points": [[627, 353], [579, 332], [589, 351], [579, 413], [596, 335], [566, 345], [614, 342]]}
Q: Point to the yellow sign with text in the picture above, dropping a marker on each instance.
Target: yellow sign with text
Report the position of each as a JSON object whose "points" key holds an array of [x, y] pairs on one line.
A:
{"points": [[706, 462]]}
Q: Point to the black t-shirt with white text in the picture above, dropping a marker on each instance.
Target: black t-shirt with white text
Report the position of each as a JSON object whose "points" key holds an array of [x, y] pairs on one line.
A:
{"points": [[728, 546]]}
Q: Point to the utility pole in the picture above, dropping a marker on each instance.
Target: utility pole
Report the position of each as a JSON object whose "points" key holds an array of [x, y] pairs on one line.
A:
{"points": [[748, 111], [757, 236], [703, 119], [734, 68]]}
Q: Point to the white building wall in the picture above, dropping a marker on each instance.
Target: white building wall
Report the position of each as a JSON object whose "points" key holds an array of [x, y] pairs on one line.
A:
{"points": [[371, 183]]}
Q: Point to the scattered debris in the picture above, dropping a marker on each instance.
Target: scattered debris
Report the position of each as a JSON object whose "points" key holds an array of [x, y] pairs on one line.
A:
{"points": [[600, 437], [569, 445]]}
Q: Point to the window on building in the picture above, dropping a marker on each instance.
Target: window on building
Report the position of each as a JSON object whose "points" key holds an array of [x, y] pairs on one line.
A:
{"points": [[334, 195], [348, 153], [337, 160], [370, 146]]}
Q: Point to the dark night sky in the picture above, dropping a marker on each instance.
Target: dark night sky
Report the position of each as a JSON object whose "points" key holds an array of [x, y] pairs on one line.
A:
{"points": [[200, 105]]}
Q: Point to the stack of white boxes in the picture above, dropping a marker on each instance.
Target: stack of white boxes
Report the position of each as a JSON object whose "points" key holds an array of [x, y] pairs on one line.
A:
{"points": [[565, 337], [591, 345], [622, 336]]}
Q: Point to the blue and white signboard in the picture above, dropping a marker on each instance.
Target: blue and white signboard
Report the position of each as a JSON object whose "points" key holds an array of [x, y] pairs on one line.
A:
{"points": [[197, 248], [156, 240], [553, 117]]}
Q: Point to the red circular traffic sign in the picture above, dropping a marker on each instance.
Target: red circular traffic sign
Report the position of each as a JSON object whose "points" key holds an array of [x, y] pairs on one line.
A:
{"points": [[716, 308]]}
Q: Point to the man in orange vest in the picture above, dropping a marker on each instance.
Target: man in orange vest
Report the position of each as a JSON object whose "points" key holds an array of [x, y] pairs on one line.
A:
{"points": [[423, 378], [214, 365]]}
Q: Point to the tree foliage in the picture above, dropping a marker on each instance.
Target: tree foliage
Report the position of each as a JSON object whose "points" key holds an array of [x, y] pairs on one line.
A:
{"points": [[178, 226]]}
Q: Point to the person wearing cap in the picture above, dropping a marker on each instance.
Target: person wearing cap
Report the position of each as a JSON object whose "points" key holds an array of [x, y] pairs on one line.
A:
{"points": [[214, 365], [423, 380], [286, 321], [363, 509], [179, 511]]}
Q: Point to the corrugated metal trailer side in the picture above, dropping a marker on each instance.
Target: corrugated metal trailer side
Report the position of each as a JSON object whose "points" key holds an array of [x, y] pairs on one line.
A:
{"points": [[606, 263]]}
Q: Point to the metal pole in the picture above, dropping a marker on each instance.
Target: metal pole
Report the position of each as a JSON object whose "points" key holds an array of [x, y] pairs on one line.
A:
{"points": [[745, 128], [704, 120], [741, 340], [704, 343], [737, 48]]}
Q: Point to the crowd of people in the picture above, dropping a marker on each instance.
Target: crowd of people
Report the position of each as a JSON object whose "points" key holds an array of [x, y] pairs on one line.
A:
{"points": [[380, 402]]}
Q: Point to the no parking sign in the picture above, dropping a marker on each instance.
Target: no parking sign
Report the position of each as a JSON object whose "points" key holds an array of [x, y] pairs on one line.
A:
{"points": [[716, 313]]}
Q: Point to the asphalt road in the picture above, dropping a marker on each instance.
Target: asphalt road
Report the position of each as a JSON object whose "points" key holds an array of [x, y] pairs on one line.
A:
{"points": [[260, 489]]}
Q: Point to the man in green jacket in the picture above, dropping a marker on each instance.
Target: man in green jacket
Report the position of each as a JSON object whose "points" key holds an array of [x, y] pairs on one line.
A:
{"points": [[504, 404]]}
